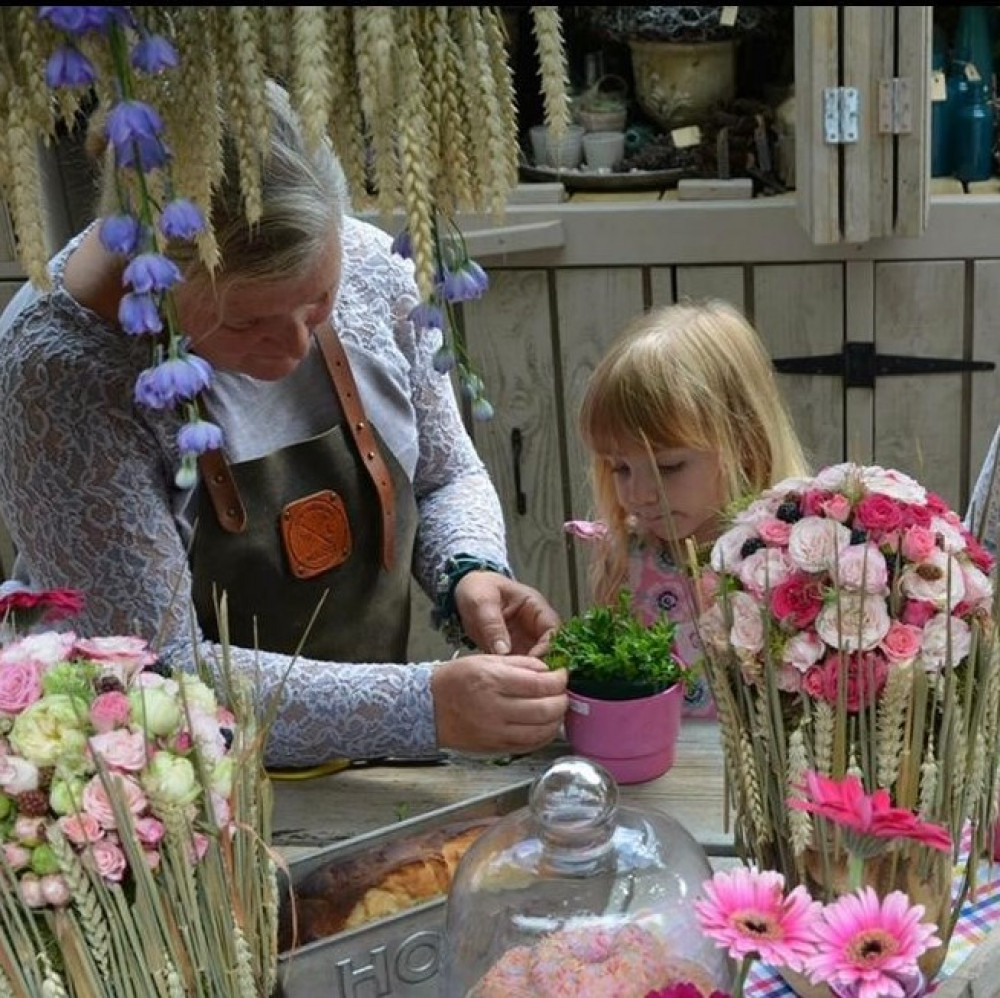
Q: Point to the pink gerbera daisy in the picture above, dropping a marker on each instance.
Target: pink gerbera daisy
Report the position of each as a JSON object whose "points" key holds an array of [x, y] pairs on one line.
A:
{"points": [[748, 912], [868, 947]]}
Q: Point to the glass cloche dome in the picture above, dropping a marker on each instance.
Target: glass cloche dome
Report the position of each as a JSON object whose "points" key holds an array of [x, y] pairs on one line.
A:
{"points": [[578, 895]]}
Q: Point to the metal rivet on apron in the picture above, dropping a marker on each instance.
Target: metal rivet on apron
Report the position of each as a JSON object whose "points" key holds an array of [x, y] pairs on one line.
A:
{"points": [[218, 478], [370, 455], [231, 512], [360, 426]]}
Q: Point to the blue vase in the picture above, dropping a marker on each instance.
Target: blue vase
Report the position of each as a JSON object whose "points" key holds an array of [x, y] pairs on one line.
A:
{"points": [[941, 157], [974, 42]]}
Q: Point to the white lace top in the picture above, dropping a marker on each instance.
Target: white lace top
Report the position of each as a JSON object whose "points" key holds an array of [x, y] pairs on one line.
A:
{"points": [[87, 492]]}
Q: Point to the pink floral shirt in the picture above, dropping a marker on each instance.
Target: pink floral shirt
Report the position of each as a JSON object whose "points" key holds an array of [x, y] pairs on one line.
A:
{"points": [[659, 586]]}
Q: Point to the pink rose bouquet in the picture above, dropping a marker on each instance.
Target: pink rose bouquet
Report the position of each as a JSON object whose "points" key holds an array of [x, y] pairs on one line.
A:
{"points": [[130, 799], [852, 634]]}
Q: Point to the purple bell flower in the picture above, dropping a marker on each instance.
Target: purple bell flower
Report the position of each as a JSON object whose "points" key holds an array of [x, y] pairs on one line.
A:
{"points": [[151, 272], [80, 20], [121, 234], [154, 54], [69, 67], [147, 154], [469, 281], [175, 380], [130, 120], [181, 220], [426, 316], [139, 314], [199, 437], [444, 360]]}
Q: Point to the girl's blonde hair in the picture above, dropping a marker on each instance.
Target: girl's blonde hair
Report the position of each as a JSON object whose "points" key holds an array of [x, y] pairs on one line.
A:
{"points": [[694, 375]]}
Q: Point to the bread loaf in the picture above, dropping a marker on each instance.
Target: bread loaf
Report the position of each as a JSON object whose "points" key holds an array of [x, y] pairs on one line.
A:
{"points": [[351, 892]]}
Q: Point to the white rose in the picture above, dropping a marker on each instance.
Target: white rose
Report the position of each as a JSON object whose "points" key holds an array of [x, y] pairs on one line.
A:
{"points": [[815, 541], [726, 556], [854, 622], [934, 648], [762, 508], [837, 477], [747, 632], [764, 569], [17, 775], [978, 587], [938, 579], [862, 566], [892, 483], [803, 650], [952, 538]]}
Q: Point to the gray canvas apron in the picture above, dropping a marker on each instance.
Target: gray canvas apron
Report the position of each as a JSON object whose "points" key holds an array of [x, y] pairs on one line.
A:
{"points": [[326, 523]]}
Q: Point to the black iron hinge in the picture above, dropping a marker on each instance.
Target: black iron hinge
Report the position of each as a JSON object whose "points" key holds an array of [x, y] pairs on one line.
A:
{"points": [[859, 365]]}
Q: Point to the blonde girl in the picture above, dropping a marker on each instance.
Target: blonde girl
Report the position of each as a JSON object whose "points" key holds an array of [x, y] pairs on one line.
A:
{"points": [[682, 416]]}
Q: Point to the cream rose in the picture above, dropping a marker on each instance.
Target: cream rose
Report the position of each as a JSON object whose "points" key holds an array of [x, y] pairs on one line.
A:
{"points": [[938, 580], [51, 731], [935, 651], [854, 622], [815, 541], [862, 566]]}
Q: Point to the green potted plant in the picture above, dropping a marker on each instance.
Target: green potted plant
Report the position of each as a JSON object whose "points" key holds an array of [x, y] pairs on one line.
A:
{"points": [[626, 687]]}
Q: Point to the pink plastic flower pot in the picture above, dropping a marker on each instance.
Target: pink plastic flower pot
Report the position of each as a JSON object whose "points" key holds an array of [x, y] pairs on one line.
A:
{"points": [[633, 740]]}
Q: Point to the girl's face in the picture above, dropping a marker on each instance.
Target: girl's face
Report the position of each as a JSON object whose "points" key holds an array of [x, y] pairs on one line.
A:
{"points": [[690, 480], [262, 329]]}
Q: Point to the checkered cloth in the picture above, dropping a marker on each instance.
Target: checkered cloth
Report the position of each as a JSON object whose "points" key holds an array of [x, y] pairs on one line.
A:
{"points": [[978, 917]]}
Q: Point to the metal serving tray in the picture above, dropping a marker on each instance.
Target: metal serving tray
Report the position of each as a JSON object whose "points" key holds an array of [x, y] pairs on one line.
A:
{"points": [[398, 956]]}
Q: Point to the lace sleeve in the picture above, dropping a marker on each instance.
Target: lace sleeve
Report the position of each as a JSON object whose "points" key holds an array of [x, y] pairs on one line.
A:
{"points": [[983, 515], [86, 492]]}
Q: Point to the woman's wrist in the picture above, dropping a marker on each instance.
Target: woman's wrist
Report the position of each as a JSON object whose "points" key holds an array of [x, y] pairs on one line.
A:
{"points": [[445, 613]]}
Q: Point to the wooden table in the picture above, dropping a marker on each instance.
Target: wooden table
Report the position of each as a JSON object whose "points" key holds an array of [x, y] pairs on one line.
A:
{"points": [[312, 813]]}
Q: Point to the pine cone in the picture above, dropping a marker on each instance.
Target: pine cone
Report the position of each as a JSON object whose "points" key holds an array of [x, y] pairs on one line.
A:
{"points": [[32, 803]]}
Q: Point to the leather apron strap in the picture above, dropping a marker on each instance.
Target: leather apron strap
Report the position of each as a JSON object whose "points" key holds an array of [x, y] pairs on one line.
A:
{"points": [[218, 477]]}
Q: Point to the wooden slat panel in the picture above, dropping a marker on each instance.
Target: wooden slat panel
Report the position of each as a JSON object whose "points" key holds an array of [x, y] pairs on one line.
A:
{"points": [[510, 342], [799, 311], [913, 157], [919, 311], [859, 403], [817, 168], [7, 291], [712, 282], [593, 307], [661, 286], [984, 387], [867, 164]]}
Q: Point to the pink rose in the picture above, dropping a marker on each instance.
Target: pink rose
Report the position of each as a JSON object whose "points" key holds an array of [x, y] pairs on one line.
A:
{"points": [[95, 798], [877, 513], [917, 612], [796, 601], [902, 642], [108, 860], [919, 543], [121, 749], [813, 500], [55, 890], [81, 828], [915, 516], [748, 629], [763, 570], [16, 856], [814, 682], [20, 685], [123, 655], [803, 650], [854, 622], [837, 507], [788, 679], [110, 710], [946, 641], [865, 678], [149, 830], [17, 775], [774, 532]]}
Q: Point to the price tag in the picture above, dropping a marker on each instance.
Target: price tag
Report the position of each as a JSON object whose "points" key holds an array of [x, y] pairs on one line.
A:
{"points": [[685, 137], [939, 90], [728, 16], [971, 73]]}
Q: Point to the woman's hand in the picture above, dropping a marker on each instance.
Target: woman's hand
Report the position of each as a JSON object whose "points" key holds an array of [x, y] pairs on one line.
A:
{"points": [[503, 616], [490, 703]]}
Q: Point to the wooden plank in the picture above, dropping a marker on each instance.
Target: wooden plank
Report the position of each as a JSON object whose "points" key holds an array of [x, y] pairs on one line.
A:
{"points": [[799, 312], [817, 165], [913, 149], [661, 286], [983, 344], [593, 307], [867, 163], [727, 283], [711, 189], [919, 312], [510, 342], [859, 403]]}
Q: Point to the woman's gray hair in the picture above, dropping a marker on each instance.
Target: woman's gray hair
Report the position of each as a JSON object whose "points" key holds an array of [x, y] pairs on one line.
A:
{"points": [[304, 197]]}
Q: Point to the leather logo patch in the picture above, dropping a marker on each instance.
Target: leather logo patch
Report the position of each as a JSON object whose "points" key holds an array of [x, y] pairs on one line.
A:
{"points": [[316, 534]]}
